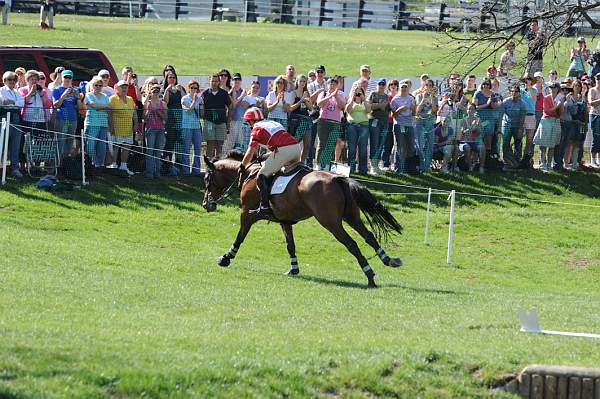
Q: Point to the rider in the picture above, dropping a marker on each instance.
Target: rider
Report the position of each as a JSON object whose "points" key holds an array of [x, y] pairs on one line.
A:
{"points": [[283, 147]]}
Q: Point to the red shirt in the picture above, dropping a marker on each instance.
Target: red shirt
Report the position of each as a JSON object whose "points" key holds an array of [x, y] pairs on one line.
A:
{"points": [[548, 105], [131, 92], [539, 101], [270, 134]]}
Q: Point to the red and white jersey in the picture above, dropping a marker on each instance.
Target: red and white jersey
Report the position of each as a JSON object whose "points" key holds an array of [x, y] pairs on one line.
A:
{"points": [[270, 134]]}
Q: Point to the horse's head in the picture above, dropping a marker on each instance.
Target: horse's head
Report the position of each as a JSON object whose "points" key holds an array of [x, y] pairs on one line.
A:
{"points": [[218, 181]]}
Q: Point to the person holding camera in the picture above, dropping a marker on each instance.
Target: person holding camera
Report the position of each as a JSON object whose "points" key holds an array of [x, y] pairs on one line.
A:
{"points": [[67, 103], [403, 109], [11, 102], [97, 105], [300, 121], [514, 110], [426, 110], [47, 12], [486, 103], [358, 110], [37, 104], [568, 128]]}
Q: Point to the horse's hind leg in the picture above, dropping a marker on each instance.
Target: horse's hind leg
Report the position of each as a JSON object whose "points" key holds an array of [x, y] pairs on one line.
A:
{"points": [[246, 221], [291, 248], [354, 220], [342, 236]]}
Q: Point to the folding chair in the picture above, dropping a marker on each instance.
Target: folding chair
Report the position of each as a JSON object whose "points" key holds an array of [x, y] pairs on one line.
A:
{"points": [[42, 154]]}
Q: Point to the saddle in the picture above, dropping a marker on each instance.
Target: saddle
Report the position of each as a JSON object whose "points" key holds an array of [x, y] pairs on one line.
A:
{"points": [[279, 181]]}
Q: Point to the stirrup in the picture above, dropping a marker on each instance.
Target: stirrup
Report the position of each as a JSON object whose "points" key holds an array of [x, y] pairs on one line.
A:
{"points": [[262, 211]]}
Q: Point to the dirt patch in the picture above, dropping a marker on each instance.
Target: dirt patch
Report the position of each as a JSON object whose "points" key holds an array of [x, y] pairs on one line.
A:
{"points": [[581, 263]]}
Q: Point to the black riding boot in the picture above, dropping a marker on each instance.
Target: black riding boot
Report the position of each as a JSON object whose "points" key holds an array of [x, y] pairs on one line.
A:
{"points": [[264, 210]]}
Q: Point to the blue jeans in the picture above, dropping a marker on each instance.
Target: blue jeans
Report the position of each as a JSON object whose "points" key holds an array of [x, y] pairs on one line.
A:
{"points": [[405, 139], [388, 145], [595, 126], [516, 134], [155, 141], [424, 133], [191, 137], [66, 135], [377, 131], [566, 131], [14, 141], [358, 135], [95, 144]]}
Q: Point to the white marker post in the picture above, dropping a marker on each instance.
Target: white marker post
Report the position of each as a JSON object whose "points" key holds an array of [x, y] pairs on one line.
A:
{"points": [[451, 197], [83, 182], [130, 14], [427, 217], [5, 152]]}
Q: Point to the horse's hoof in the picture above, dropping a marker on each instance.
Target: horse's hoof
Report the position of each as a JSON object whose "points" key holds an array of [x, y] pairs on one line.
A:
{"points": [[293, 272], [395, 262], [224, 261], [371, 284]]}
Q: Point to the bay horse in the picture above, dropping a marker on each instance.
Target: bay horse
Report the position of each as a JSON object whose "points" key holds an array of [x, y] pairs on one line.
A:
{"points": [[330, 198]]}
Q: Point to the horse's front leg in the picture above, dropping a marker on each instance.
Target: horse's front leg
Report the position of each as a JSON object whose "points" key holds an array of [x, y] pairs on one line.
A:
{"points": [[246, 221], [291, 247]]}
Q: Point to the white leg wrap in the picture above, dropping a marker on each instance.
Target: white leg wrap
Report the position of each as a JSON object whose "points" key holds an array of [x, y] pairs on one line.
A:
{"points": [[382, 255], [294, 262], [367, 268], [232, 252]]}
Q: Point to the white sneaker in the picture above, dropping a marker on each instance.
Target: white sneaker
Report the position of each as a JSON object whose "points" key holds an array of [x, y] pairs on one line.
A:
{"points": [[126, 169], [444, 169], [113, 166], [373, 171]]}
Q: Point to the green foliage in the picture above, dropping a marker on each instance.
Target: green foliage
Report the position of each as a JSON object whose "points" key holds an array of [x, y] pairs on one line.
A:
{"points": [[112, 290]]}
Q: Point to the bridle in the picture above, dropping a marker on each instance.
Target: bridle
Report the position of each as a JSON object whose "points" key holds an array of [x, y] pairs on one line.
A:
{"points": [[223, 195]]}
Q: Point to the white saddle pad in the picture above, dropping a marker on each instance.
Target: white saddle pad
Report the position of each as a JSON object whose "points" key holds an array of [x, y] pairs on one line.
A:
{"points": [[281, 183]]}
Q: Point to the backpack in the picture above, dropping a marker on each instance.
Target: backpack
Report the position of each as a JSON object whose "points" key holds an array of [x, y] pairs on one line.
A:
{"points": [[71, 166]]}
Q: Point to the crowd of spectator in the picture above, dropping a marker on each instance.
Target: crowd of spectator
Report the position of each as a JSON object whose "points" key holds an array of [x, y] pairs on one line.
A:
{"points": [[379, 125]]}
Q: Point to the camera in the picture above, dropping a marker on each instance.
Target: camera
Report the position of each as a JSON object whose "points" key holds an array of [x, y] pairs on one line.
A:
{"points": [[567, 89], [38, 87]]}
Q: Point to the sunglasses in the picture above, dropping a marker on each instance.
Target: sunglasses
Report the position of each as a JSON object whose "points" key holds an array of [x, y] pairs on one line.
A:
{"points": [[320, 71], [98, 85], [105, 76], [223, 75], [10, 80], [553, 73], [156, 91], [194, 88], [67, 77], [171, 77], [42, 78]]}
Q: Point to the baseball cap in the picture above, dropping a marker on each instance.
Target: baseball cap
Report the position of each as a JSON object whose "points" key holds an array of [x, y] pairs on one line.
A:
{"points": [[363, 67], [153, 87], [382, 82], [332, 80], [236, 76], [403, 84], [20, 71], [82, 85], [581, 39], [554, 85], [538, 75], [67, 72], [103, 72], [491, 69], [424, 76], [597, 75], [122, 83], [319, 68]]}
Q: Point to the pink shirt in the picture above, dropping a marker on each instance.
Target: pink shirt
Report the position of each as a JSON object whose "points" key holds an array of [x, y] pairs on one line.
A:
{"points": [[548, 105], [330, 109]]}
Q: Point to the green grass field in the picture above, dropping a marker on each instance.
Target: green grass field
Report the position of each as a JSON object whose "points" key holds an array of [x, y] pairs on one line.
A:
{"points": [[112, 290], [197, 48]]}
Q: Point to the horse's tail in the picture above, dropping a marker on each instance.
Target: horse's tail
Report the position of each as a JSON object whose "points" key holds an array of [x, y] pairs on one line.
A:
{"points": [[381, 221]]}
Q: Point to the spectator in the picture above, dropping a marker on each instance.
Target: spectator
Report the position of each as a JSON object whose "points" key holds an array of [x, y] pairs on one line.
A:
{"points": [[579, 59], [173, 92], [358, 110], [552, 77], [290, 75], [365, 75], [145, 90], [340, 144], [580, 121], [11, 102], [514, 110], [535, 49], [216, 112], [508, 60], [56, 78], [105, 76], [225, 80], [423, 83], [133, 90], [548, 132], [278, 102], [568, 128], [47, 12], [470, 88], [542, 90], [4, 9], [252, 99], [124, 121], [312, 76], [426, 109], [37, 102], [594, 102], [191, 129], [166, 70], [594, 61], [403, 108], [491, 75], [529, 95], [388, 143], [235, 138], [378, 124], [155, 115], [330, 103], [316, 87], [67, 103], [300, 121], [486, 103], [21, 82], [469, 139], [97, 106]]}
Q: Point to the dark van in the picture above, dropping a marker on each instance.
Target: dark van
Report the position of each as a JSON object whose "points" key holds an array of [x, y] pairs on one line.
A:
{"points": [[84, 62]]}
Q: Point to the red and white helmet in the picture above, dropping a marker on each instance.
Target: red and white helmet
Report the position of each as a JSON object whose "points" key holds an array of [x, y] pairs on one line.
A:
{"points": [[253, 114]]}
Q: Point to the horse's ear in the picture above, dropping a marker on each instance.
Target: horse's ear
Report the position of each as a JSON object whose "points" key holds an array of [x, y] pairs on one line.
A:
{"points": [[208, 163]]}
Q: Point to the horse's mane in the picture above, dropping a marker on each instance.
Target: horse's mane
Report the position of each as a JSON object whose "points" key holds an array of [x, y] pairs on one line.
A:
{"points": [[236, 155]]}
